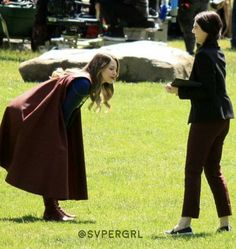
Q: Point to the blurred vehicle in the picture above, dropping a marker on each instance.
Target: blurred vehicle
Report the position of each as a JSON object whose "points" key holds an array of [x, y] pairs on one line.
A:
{"points": [[58, 20], [63, 21], [16, 19]]}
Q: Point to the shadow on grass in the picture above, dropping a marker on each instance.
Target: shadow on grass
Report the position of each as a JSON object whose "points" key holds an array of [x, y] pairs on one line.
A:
{"points": [[183, 237], [23, 219], [31, 219]]}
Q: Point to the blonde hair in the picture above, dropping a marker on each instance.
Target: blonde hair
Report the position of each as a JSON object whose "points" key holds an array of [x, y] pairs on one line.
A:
{"points": [[100, 93], [60, 72]]}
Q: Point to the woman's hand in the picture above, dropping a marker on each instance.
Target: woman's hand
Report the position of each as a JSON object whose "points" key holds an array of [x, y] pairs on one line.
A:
{"points": [[171, 89]]}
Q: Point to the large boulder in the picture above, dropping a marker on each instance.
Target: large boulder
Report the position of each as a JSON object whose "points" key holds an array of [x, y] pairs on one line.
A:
{"points": [[140, 61]]}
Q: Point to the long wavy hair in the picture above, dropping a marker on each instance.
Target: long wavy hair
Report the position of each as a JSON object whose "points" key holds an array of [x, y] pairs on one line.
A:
{"points": [[100, 93]]}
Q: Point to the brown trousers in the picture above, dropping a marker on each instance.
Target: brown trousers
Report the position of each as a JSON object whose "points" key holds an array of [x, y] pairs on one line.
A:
{"points": [[204, 150]]}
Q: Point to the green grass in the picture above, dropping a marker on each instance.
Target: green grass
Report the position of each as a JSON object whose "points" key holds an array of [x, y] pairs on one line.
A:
{"points": [[135, 162]]}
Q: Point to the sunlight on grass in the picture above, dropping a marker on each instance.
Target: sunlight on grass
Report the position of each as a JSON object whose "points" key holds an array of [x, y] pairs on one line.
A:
{"points": [[135, 162]]}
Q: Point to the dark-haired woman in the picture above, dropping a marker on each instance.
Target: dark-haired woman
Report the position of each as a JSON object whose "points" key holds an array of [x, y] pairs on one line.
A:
{"points": [[41, 143], [211, 111]]}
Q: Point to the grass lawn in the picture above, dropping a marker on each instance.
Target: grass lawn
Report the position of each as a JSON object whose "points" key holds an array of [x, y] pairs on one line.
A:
{"points": [[135, 163]]}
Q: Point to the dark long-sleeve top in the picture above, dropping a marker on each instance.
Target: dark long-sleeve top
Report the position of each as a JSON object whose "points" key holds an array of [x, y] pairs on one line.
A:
{"points": [[76, 95], [210, 101]]}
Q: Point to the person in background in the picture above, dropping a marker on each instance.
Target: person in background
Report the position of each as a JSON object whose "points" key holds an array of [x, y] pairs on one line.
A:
{"points": [[210, 114], [40, 30], [123, 13], [94, 9], [224, 9], [41, 141], [188, 9], [154, 7], [233, 40]]}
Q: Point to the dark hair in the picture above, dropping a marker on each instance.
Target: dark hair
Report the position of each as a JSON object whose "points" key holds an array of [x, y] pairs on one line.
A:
{"points": [[100, 93], [210, 22]]}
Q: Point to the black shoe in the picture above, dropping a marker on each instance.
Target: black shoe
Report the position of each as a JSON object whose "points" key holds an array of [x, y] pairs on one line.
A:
{"points": [[153, 13], [224, 229], [184, 231]]}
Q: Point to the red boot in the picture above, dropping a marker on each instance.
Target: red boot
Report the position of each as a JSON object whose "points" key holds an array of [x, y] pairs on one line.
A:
{"points": [[53, 212], [64, 212]]}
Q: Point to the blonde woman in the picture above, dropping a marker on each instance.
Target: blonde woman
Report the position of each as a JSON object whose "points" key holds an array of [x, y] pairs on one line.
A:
{"points": [[41, 143]]}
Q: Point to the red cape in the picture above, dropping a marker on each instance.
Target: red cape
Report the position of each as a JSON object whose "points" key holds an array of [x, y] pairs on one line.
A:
{"points": [[40, 155]]}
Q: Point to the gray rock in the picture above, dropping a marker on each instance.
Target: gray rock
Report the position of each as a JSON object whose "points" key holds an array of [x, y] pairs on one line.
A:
{"points": [[140, 61]]}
